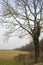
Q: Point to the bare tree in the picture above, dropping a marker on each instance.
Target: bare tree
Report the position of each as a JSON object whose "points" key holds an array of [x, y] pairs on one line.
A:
{"points": [[27, 16]]}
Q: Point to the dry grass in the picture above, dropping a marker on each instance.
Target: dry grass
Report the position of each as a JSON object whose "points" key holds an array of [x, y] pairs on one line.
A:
{"points": [[8, 58], [11, 54]]}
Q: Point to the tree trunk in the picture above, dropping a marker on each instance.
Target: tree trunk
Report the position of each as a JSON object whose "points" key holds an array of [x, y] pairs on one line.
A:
{"points": [[36, 45]]}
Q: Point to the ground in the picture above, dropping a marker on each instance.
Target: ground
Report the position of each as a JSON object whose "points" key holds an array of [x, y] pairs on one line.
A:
{"points": [[7, 57], [16, 58]]}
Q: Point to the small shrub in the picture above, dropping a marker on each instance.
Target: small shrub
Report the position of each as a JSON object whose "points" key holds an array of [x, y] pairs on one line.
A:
{"points": [[20, 59]]}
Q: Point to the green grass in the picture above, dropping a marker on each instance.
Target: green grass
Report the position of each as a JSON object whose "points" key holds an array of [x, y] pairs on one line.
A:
{"points": [[6, 62]]}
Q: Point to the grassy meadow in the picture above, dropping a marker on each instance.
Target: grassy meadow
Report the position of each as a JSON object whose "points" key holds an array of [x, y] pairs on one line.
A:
{"points": [[7, 57], [14, 58]]}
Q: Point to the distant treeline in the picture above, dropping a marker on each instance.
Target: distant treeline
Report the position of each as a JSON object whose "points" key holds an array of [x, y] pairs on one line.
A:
{"points": [[30, 47]]}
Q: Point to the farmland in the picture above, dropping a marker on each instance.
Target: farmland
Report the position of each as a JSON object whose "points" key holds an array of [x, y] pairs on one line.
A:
{"points": [[8, 58]]}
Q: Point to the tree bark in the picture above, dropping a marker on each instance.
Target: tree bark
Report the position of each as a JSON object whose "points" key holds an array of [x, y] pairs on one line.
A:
{"points": [[36, 45]]}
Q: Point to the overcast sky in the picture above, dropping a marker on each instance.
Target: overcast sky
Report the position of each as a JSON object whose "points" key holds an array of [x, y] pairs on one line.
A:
{"points": [[14, 42]]}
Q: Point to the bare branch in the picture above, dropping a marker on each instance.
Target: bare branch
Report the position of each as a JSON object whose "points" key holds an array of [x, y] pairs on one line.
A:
{"points": [[25, 15]]}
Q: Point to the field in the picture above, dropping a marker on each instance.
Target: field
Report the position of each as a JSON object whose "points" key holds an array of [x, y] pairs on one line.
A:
{"points": [[8, 58]]}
